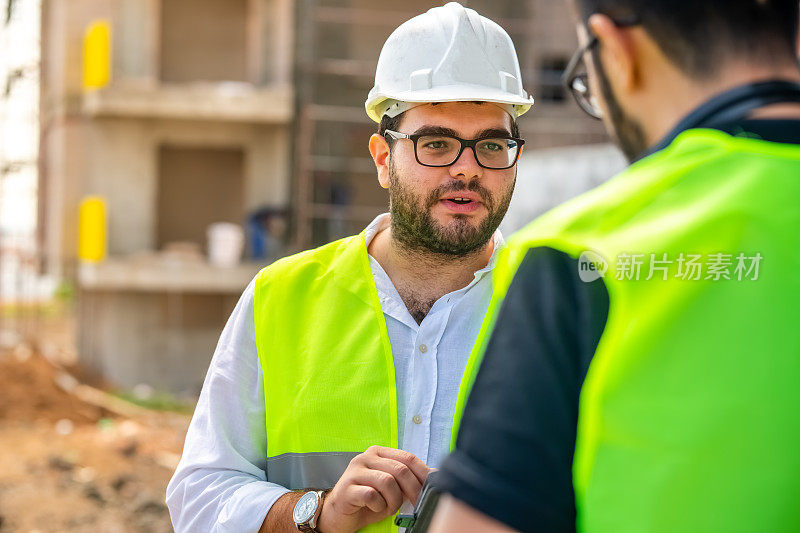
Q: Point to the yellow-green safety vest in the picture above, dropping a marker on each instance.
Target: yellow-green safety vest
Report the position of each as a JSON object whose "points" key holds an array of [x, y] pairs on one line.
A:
{"points": [[329, 379], [689, 417]]}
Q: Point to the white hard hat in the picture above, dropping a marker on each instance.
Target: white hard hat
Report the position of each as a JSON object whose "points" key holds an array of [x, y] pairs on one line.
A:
{"points": [[449, 54]]}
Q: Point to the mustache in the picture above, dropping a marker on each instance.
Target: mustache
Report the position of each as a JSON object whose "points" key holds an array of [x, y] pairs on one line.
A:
{"points": [[457, 185]]}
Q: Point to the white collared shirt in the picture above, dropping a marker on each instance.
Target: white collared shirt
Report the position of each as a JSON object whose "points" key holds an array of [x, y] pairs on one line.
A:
{"points": [[220, 483]]}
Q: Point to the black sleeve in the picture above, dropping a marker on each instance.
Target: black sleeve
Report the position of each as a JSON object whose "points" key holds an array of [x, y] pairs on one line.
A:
{"points": [[514, 450]]}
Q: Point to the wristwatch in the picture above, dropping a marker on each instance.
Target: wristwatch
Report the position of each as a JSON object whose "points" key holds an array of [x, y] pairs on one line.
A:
{"points": [[307, 509]]}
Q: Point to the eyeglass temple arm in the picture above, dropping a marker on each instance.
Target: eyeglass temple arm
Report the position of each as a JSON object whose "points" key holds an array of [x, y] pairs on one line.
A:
{"points": [[569, 70], [577, 57], [396, 135]]}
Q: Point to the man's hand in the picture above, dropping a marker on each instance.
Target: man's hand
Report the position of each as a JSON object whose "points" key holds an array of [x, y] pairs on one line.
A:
{"points": [[373, 487]]}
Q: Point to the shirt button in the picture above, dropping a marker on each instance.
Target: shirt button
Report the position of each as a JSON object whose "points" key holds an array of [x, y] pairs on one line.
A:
{"points": [[423, 348], [417, 419]]}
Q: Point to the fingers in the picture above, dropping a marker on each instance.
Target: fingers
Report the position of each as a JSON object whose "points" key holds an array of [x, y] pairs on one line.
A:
{"points": [[364, 496], [377, 481], [405, 478], [384, 483], [413, 462]]}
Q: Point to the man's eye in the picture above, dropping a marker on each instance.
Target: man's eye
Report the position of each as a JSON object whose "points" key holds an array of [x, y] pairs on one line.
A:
{"points": [[436, 145], [492, 146]]}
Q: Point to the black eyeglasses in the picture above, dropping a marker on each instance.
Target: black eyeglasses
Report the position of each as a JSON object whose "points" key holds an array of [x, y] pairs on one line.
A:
{"points": [[443, 150], [578, 82]]}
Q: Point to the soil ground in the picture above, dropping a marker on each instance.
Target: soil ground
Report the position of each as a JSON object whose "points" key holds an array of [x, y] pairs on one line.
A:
{"points": [[69, 465]]}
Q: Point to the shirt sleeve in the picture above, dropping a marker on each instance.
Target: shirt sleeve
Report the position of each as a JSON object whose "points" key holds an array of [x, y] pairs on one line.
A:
{"points": [[515, 446], [220, 483]]}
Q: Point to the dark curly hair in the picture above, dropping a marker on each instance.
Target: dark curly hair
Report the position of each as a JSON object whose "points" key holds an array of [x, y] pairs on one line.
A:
{"points": [[698, 36]]}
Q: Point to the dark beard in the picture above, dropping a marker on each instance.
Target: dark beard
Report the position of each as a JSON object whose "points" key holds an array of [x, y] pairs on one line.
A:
{"points": [[628, 133], [414, 227]]}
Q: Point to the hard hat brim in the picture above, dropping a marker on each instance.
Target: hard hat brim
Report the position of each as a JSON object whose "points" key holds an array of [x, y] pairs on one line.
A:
{"points": [[376, 105]]}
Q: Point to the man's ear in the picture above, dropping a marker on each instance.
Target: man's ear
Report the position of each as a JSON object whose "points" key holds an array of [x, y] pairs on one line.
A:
{"points": [[379, 149], [616, 52]]}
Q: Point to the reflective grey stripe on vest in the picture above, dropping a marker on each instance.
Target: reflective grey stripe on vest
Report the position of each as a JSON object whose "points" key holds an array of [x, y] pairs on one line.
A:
{"points": [[317, 470]]}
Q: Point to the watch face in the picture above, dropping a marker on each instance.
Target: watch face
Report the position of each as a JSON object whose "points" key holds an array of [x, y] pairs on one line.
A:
{"points": [[305, 507]]}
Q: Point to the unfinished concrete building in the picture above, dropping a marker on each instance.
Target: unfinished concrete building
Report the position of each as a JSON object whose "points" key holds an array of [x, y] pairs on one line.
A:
{"points": [[214, 110], [191, 127]]}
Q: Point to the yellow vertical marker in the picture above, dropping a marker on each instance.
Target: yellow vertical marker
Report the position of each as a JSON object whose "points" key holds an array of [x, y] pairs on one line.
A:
{"points": [[92, 229], [97, 55]]}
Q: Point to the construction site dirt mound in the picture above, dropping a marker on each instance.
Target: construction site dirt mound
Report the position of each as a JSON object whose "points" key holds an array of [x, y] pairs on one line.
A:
{"points": [[68, 464], [29, 391]]}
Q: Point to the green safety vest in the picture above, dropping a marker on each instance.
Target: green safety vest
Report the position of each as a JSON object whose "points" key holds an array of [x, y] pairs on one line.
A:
{"points": [[329, 383], [689, 417], [329, 379]]}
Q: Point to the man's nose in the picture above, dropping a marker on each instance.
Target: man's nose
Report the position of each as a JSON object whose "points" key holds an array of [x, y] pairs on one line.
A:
{"points": [[466, 167]]}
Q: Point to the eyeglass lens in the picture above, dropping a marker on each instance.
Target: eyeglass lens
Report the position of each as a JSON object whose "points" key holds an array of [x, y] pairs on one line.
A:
{"points": [[440, 150], [583, 95]]}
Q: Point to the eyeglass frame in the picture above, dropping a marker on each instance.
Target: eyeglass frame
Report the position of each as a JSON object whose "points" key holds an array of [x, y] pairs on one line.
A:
{"points": [[465, 143], [569, 76]]}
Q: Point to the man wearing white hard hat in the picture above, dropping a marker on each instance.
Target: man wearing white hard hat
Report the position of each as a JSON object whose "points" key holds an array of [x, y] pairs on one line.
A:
{"points": [[332, 391]]}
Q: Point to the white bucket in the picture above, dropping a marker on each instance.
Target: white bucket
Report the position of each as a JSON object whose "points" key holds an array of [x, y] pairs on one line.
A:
{"points": [[225, 244]]}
